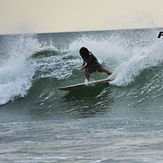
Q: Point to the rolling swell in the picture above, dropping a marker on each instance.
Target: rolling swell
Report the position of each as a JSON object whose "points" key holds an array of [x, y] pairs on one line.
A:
{"points": [[42, 66]]}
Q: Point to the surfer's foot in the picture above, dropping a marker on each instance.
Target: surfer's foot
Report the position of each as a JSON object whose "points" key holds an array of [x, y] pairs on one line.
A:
{"points": [[86, 82]]}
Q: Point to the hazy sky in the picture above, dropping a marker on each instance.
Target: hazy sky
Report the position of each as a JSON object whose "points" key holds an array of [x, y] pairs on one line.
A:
{"points": [[23, 16]]}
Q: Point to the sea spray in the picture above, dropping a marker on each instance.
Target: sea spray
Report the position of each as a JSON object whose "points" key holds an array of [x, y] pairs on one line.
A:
{"points": [[17, 69], [126, 72], [16, 72]]}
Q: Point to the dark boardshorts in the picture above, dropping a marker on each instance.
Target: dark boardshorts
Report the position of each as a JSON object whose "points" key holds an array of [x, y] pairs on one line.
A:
{"points": [[94, 67]]}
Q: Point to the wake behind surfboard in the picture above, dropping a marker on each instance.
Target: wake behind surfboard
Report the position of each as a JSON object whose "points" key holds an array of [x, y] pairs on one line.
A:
{"points": [[80, 85]]}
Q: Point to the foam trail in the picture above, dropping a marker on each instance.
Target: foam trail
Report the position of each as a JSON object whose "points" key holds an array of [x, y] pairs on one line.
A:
{"points": [[145, 58]]}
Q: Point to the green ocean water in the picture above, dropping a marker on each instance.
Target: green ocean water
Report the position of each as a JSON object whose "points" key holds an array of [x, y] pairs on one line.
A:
{"points": [[120, 122]]}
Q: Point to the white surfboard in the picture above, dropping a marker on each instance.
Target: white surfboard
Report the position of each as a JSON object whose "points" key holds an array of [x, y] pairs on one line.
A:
{"points": [[80, 85]]}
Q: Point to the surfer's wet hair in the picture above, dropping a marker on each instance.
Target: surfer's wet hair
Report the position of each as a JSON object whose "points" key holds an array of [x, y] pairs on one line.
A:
{"points": [[84, 52]]}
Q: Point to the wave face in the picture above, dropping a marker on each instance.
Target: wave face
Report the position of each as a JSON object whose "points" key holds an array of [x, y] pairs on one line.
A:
{"points": [[33, 66]]}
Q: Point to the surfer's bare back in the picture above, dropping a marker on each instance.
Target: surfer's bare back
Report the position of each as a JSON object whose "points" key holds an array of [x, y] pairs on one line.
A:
{"points": [[90, 63]]}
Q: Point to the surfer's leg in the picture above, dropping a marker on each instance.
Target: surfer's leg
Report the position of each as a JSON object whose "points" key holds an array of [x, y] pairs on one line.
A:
{"points": [[104, 70], [87, 73]]}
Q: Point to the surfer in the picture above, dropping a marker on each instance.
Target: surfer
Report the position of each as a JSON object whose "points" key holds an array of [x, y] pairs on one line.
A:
{"points": [[90, 63]]}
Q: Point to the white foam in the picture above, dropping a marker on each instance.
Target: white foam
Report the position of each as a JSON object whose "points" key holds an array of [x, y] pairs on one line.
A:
{"points": [[17, 69], [144, 58]]}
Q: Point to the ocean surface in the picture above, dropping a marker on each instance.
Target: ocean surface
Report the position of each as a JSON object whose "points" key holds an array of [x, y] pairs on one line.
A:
{"points": [[121, 122]]}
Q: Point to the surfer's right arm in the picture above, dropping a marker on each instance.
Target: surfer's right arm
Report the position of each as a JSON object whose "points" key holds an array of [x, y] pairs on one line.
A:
{"points": [[83, 65]]}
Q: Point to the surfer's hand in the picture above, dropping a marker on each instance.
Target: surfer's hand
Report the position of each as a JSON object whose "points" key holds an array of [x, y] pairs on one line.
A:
{"points": [[82, 68]]}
